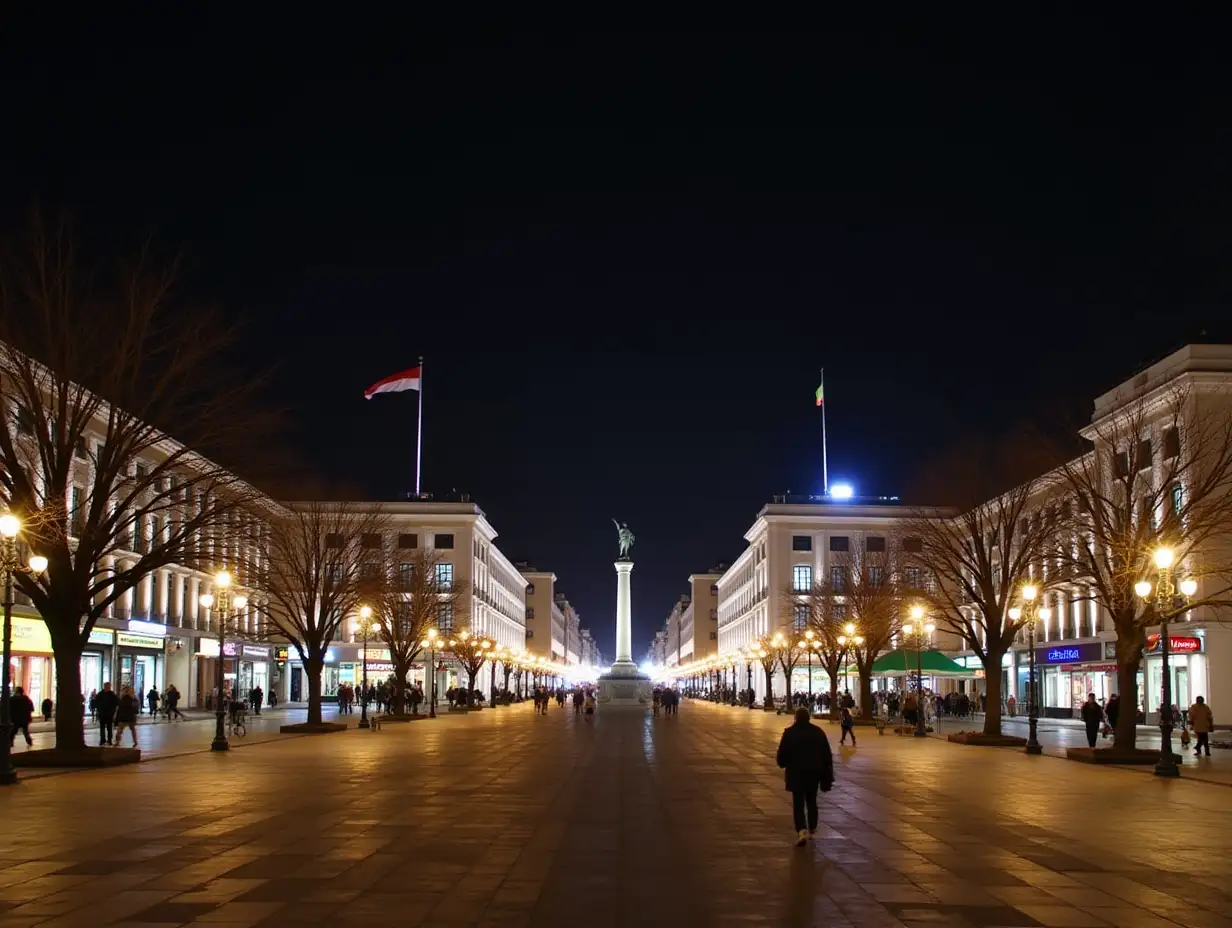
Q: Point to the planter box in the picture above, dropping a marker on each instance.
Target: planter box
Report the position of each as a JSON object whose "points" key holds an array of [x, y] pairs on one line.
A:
{"points": [[89, 757], [309, 728], [990, 741], [1138, 756]]}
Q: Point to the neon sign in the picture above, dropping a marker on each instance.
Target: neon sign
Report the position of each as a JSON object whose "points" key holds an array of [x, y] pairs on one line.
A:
{"points": [[1063, 655]]}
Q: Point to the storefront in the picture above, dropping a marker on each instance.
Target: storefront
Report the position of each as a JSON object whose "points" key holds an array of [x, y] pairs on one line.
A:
{"points": [[96, 661], [253, 665], [298, 684], [30, 664], [1187, 669], [1065, 673], [140, 653]]}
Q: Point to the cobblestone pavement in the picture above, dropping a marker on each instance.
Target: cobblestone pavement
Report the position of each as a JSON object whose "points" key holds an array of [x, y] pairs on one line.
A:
{"points": [[504, 818]]}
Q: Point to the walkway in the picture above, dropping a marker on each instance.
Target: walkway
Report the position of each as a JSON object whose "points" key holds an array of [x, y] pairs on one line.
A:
{"points": [[503, 818]]}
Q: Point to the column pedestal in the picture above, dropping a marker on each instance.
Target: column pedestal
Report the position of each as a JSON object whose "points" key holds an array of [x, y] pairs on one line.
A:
{"points": [[624, 684]]}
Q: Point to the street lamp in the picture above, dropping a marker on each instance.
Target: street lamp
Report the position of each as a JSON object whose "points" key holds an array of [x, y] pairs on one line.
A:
{"points": [[1166, 604], [748, 669], [499, 654], [226, 600], [431, 637], [367, 626], [10, 525], [849, 636], [1033, 612], [810, 644], [919, 630]]}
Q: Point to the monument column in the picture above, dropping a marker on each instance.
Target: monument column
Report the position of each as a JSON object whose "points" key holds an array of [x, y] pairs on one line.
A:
{"points": [[624, 612]]}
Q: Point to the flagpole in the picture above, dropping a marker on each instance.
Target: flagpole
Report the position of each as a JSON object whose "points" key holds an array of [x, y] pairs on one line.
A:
{"points": [[419, 429], [825, 464]]}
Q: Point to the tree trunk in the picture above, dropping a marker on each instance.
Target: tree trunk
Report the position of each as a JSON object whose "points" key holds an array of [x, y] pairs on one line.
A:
{"points": [[769, 700], [312, 670], [992, 680], [866, 692], [70, 720], [1131, 638], [505, 694], [398, 702], [470, 688], [833, 674]]}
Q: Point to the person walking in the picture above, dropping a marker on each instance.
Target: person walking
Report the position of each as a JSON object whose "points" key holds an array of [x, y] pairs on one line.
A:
{"points": [[1201, 719], [151, 699], [173, 703], [126, 715], [848, 726], [808, 764], [21, 711], [1092, 717], [106, 705], [1112, 710]]}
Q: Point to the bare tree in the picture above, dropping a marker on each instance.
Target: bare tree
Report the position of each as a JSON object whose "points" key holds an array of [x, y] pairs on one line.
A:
{"points": [[763, 651], [472, 652], [1160, 475], [826, 617], [416, 597], [320, 562], [789, 651], [94, 369], [863, 589], [971, 560]]}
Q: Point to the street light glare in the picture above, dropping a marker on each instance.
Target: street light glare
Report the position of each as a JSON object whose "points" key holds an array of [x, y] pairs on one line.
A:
{"points": [[206, 599], [1163, 558], [1189, 587], [38, 564], [365, 612], [917, 611], [10, 525], [223, 578], [239, 601], [1015, 613], [842, 491], [1029, 592], [1143, 588]]}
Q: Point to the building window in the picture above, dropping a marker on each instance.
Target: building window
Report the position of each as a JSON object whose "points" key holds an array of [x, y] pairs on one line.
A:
{"points": [[913, 545], [799, 616], [530, 613], [874, 577], [444, 617], [1177, 498], [838, 580], [840, 543], [714, 589], [1120, 464], [1143, 457], [911, 578], [406, 576], [1172, 444], [802, 578], [1148, 512], [714, 636], [333, 540], [714, 615], [875, 544], [370, 540], [442, 542], [79, 449], [840, 611], [802, 542], [530, 633], [530, 589], [408, 542], [444, 576], [25, 421]]}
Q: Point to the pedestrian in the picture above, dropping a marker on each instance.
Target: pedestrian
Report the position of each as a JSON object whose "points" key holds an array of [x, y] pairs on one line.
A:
{"points": [[848, 726], [106, 705], [1092, 716], [1202, 720], [21, 711], [1111, 712], [590, 706], [258, 697], [151, 699], [126, 715], [47, 706], [173, 703], [808, 765], [579, 698]]}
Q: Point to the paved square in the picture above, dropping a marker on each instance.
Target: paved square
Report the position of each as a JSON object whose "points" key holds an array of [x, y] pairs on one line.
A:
{"points": [[504, 818]]}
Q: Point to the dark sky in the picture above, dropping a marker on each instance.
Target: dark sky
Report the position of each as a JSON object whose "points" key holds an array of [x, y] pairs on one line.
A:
{"points": [[625, 257]]}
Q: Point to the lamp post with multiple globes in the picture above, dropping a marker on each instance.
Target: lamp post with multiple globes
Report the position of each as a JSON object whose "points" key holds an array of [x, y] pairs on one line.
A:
{"points": [[431, 640], [749, 657], [849, 637], [367, 627], [919, 630], [11, 564], [225, 599], [1032, 612], [1166, 605]]}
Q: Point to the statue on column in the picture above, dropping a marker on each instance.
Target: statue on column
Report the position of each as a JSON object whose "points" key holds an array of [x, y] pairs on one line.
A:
{"points": [[626, 538]]}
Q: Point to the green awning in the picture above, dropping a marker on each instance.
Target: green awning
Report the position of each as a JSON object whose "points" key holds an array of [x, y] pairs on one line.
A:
{"points": [[932, 663]]}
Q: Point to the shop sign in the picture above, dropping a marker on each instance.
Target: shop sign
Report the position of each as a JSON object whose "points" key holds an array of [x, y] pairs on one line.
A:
{"points": [[102, 636], [331, 656], [1100, 668], [1069, 653], [380, 667], [147, 628], [1110, 650], [375, 654], [1177, 644], [127, 640], [31, 636], [282, 654], [207, 647], [254, 652]]}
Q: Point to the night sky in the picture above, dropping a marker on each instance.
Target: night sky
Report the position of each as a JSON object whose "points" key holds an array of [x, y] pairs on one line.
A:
{"points": [[626, 257]]}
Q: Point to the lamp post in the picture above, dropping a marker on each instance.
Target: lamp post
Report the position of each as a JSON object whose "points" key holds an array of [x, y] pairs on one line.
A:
{"points": [[748, 669], [1166, 602], [810, 644], [849, 636], [429, 642], [1033, 613], [919, 630], [225, 600], [367, 626], [10, 525], [497, 655]]}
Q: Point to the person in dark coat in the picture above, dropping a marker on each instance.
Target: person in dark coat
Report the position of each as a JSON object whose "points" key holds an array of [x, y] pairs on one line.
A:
{"points": [[106, 704], [21, 711], [804, 754], [1092, 718], [1112, 712]]}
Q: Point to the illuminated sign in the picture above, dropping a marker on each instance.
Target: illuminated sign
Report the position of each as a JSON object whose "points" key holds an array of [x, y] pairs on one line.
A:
{"points": [[102, 636], [125, 640], [1068, 653], [1063, 655], [255, 652], [31, 636], [207, 647], [283, 653], [1177, 644], [147, 628], [375, 654]]}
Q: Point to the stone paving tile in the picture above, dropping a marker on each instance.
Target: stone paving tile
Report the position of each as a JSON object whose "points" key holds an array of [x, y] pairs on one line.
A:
{"points": [[506, 818]]}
